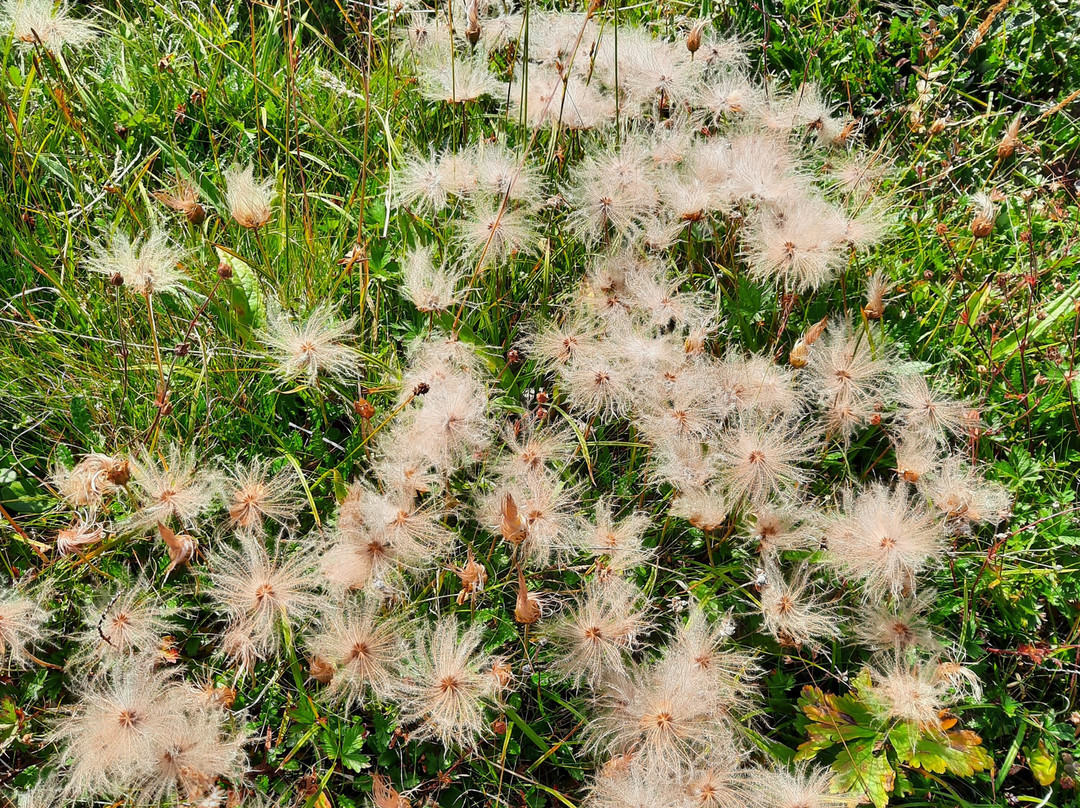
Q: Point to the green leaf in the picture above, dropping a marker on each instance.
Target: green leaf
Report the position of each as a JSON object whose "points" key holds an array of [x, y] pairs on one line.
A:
{"points": [[1030, 331], [959, 753], [243, 287], [860, 770], [346, 745]]}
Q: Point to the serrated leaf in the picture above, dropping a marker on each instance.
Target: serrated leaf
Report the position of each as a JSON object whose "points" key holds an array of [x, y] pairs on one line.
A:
{"points": [[859, 769], [959, 753]]}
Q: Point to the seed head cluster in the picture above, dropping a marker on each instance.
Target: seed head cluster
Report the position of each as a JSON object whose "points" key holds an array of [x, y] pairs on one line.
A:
{"points": [[450, 528]]}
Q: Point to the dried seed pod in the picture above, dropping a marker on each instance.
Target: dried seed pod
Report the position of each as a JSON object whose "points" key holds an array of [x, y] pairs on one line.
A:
{"points": [[321, 670], [78, 535], [800, 353], [513, 528], [181, 547], [183, 199], [693, 39], [527, 609], [473, 577], [1010, 140], [876, 289]]}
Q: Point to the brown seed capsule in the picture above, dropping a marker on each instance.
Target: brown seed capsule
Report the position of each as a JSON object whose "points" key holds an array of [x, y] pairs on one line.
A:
{"points": [[321, 670], [119, 472], [502, 674], [183, 199], [498, 726], [472, 27], [224, 270], [196, 214], [1010, 140], [799, 356], [693, 39], [221, 695], [473, 577], [181, 547], [117, 279], [527, 609], [981, 227], [513, 528], [364, 408], [421, 389]]}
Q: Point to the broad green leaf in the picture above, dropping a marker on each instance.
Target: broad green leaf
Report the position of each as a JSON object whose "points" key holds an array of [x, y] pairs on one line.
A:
{"points": [[243, 287], [1043, 764]]}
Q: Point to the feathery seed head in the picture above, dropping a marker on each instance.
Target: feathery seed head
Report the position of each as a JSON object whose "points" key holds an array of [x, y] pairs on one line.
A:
{"points": [[801, 787], [885, 539], [495, 232], [22, 625], [80, 533], [253, 494], [121, 718], [302, 350], [634, 786], [793, 611], [445, 683], [361, 646], [762, 460], [964, 496], [89, 481], [145, 266], [261, 590], [131, 623], [897, 625], [593, 636], [430, 288], [172, 488], [619, 542], [923, 409], [249, 200], [706, 508], [34, 21], [666, 715]]}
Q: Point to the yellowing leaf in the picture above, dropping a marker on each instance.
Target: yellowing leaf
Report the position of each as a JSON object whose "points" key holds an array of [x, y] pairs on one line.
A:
{"points": [[1043, 764]]}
